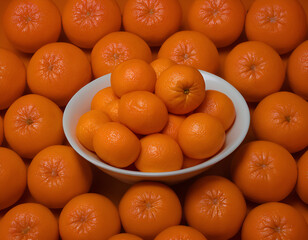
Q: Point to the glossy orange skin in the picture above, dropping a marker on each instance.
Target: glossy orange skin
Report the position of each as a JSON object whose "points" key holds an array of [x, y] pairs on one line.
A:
{"points": [[116, 145], [297, 70], [181, 88], [201, 136], [30, 24], [218, 105], [302, 180], [255, 69], [159, 153], [133, 75], [274, 219], [13, 177], [161, 64], [143, 112], [29, 221], [124, 236], [152, 20], [12, 78], [180, 232], [58, 66], [191, 48], [112, 110], [147, 208], [86, 22], [264, 171], [89, 216], [279, 23], [191, 162], [221, 21], [87, 126], [282, 118], [57, 174], [115, 48], [215, 206], [102, 98], [173, 125], [1, 130], [32, 123]]}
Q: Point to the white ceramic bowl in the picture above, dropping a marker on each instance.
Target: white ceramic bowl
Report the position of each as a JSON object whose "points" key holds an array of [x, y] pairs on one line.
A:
{"points": [[81, 102]]}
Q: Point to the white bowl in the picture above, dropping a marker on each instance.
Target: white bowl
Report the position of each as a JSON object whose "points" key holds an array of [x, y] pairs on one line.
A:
{"points": [[81, 103]]}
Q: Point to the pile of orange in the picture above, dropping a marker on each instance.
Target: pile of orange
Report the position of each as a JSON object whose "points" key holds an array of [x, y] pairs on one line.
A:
{"points": [[157, 109]]}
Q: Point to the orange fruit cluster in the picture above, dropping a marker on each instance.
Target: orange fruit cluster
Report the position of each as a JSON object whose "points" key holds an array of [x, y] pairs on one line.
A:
{"points": [[157, 115]]}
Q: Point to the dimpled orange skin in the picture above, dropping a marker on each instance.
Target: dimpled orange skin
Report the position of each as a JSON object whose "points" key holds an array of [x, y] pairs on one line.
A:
{"points": [[117, 47], [173, 125], [102, 98], [274, 219], [57, 174], [302, 180], [29, 221], [221, 21], [215, 206], [279, 23], [282, 117], [86, 22], [143, 112], [161, 64], [32, 123], [89, 216], [159, 153], [12, 78], [133, 75], [147, 208], [125, 236], [30, 24], [1, 130], [13, 177], [57, 66], [152, 20], [191, 162], [182, 88], [116, 144], [201, 136], [191, 48], [264, 171], [180, 232]]}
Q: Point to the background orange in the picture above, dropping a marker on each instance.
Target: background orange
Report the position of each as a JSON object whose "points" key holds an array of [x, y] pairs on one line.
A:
{"points": [[103, 183]]}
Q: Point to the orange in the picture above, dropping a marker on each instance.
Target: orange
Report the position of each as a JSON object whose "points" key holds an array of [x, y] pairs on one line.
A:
{"points": [[87, 126], [57, 174], [102, 98], [180, 232], [218, 105], [191, 48], [264, 171], [181, 88], [221, 21], [89, 216], [215, 206], [85, 22], [173, 125], [147, 208], [255, 69], [191, 162], [274, 220], [297, 70], [58, 66], [124, 236], [116, 145], [13, 177], [115, 48], [30, 24], [112, 110], [154, 21], [279, 23], [1, 130], [143, 112], [298, 204], [302, 180], [132, 75], [161, 64], [12, 78], [282, 118], [33, 123], [201, 136], [159, 153], [29, 221]]}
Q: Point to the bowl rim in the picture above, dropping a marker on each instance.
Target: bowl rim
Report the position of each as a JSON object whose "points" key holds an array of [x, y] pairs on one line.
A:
{"points": [[213, 160]]}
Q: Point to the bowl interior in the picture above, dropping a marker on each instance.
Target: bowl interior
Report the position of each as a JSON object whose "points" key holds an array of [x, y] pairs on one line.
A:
{"points": [[81, 103]]}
